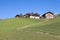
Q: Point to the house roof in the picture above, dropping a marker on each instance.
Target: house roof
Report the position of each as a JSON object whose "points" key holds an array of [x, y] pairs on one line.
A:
{"points": [[47, 13], [17, 16]]}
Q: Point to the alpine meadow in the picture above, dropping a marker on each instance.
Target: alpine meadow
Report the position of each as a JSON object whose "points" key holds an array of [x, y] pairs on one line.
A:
{"points": [[30, 29]]}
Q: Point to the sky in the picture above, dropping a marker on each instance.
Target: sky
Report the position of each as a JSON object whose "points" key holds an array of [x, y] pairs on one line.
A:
{"points": [[9, 8]]}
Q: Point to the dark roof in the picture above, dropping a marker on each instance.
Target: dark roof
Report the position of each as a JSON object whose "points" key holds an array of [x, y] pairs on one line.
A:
{"points": [[47, 13], [17, 16], [36, 14]]}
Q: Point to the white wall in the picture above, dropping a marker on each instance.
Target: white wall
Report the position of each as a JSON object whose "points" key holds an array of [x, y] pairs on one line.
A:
{"points": [[49, 17], [34, 17]]}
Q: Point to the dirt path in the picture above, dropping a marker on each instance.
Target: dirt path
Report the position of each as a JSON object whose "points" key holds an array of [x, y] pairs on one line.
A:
{"points": [[29, 25], [42, 33]]}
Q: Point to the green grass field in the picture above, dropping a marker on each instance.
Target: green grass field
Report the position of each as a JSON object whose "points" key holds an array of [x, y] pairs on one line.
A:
{"points": [[51, 26], [29, 29]]}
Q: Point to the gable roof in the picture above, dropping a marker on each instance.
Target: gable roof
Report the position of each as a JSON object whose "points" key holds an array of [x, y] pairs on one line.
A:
{"points": [[50, 13], [47, 13], [17, 16]]}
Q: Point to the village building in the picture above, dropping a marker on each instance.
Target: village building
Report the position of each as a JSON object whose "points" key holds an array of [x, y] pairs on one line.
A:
{"points": [[32, 15], [27, 15], [35, 16], [17, 16], [48, 15]]}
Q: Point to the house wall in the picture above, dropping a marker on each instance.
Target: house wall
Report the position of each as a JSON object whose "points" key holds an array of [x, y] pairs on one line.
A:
{"points": [[17, 17], [49, 15], [34, 17], [37, 17]]}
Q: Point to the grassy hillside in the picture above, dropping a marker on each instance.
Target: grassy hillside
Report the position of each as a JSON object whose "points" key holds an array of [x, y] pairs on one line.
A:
{"points": [[13, 23], [29, 29], [51, 26]]}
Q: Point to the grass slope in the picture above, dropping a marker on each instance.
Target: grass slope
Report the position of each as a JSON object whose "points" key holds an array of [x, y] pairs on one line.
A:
{"points": [[8, 29], [13, 23], [51, 26]]}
